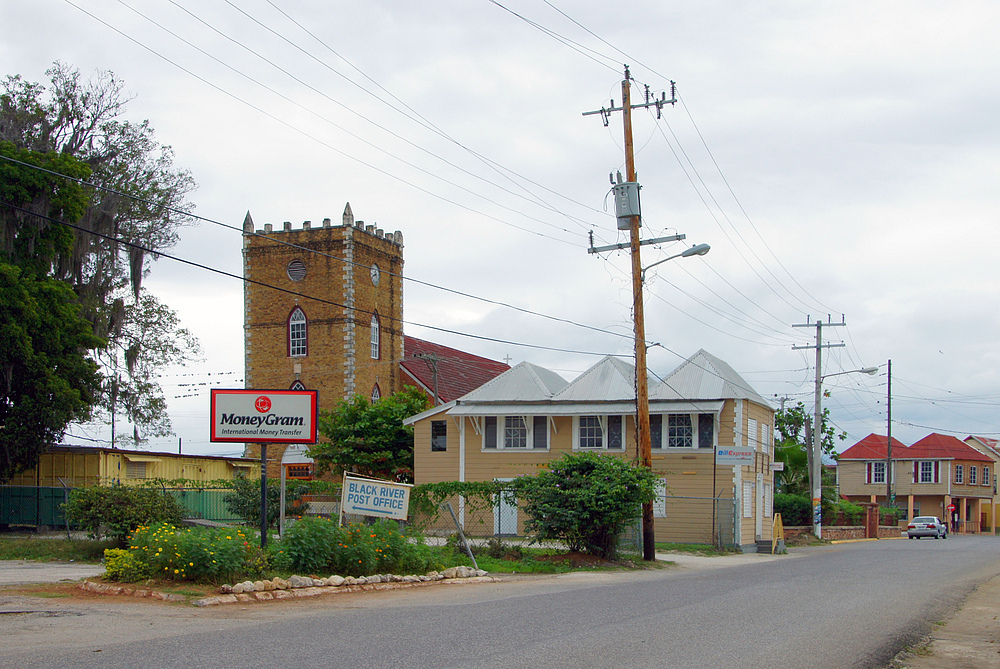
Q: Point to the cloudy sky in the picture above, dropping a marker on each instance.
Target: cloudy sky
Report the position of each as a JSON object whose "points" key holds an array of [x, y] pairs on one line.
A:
{"points": [[841, 158]]}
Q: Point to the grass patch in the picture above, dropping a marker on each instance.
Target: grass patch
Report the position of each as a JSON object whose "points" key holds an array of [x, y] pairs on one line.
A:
{"points": [[706, 550], [53, 550]]}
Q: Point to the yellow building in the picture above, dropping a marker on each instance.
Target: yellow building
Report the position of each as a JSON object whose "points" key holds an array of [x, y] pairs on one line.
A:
{"points": [[323, 310], [529, 416], [81, 466]]}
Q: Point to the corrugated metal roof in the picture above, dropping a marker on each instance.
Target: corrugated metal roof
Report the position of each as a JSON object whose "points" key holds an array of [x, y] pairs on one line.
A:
{"points": [[609, 379], [703, 376], [580, 408], [523, 383]]}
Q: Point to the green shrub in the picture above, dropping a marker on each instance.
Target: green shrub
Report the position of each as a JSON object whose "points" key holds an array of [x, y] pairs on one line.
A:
{"points": [[795, 510], [115, 511], [244, 500], [124, 566], [585, 500], [316, 545], [197, 554]]}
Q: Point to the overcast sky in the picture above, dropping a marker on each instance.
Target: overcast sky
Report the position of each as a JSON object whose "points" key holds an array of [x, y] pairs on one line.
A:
{"points": [[840, 158]]}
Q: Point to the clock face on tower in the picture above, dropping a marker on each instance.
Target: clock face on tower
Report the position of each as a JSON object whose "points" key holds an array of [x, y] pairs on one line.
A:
{"points": [[376, 274]]}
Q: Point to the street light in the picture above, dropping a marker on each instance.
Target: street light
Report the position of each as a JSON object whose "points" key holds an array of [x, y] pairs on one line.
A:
{"points": [[696, 250], [641, 390], [816, 471]]}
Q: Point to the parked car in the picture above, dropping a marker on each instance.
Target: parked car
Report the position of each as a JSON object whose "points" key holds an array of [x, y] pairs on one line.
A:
{"points": [[927, 526]]}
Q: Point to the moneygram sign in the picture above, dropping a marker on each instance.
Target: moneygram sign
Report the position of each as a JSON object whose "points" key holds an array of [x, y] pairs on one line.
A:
{"points": [[264, 416]]}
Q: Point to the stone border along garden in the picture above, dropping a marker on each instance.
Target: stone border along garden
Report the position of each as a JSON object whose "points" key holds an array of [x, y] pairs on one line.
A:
{"points": [[302, 586]]}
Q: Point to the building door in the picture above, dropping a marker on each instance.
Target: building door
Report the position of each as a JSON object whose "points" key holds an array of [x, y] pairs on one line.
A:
{"points": [[504, 516]]}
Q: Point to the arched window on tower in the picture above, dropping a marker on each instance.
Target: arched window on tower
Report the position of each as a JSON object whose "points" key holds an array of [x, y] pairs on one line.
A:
{"points": [[376, 337], [297, 335], [376, 394]]}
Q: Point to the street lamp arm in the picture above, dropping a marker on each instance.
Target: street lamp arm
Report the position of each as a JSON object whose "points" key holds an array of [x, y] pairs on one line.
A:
{"points": [[696, 250], [864, 370]]}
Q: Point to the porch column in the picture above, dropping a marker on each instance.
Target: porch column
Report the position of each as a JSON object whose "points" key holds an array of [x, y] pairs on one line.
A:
{"points": [[963, 513], [909, 507]]}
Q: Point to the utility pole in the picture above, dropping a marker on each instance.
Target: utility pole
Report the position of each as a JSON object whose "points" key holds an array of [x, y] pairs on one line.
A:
{"points": [[432, 361], [641, 380], [889, 498], [816, 470]]}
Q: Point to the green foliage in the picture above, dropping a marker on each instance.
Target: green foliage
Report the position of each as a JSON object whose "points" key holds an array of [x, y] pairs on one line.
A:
{"points": [[426, 499], [316, 545], [74, 127], [795, 510], [370, 439], [791, 448], [244, 500], [585, 500], [47, 379], [196, 554], [116, 511], [50, 548], [843, 512], [124, 566]]}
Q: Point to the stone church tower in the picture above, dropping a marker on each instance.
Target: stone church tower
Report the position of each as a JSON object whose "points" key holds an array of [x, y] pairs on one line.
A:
{"points": [[323, 310]]}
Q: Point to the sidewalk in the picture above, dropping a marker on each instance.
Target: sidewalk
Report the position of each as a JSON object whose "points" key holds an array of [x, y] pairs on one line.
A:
{"points": [[23, 572], [970, 639]]}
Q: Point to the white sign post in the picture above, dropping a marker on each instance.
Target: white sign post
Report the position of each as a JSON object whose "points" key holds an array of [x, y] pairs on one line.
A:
{"points": [[371, 497]]}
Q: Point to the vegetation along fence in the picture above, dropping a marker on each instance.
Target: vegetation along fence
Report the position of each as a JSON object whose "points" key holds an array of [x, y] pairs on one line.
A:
{"points": [[40, 506]]}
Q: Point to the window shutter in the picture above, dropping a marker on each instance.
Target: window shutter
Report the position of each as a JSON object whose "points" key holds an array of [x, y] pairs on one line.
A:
{"points": [[540, 432], [916, 472], [490, 432], [937, 469], [868, 472]]}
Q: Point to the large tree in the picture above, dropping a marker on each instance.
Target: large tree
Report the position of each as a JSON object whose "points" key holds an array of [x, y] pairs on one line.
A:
{"points": [[791, 447], [134, 210], [370, 438], [46, 377]]}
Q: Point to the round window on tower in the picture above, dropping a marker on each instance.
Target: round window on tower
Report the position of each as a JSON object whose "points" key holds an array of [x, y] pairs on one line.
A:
{"points": [[296, 270]]}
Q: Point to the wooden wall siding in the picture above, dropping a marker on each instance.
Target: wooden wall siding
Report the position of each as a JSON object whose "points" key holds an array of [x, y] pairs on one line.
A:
{"points": [[102, 467], [435, 466]]}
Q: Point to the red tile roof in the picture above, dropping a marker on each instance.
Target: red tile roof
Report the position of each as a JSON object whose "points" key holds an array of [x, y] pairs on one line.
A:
{"points": [[944, 446], [873, 447], [458, 372]]}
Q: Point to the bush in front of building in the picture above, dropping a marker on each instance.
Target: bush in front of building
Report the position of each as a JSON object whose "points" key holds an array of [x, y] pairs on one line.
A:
{"points": [[795, 510], [585, 500], [115, 511], [244, 500], [318, 546], [165, 551]]}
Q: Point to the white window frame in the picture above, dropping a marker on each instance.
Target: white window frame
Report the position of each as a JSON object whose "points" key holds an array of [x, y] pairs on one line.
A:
{"points": [[752, 434], [505, 423], [376, 338], [877, 475], [693, 436], [986, 475], [695, 418], [973, 475], [603, 423], [298, 333], [765, 433], [959, 474], [926, 471]]}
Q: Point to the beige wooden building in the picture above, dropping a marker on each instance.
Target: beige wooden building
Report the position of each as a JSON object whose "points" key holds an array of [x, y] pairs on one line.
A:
{"points": [[529, 416]]}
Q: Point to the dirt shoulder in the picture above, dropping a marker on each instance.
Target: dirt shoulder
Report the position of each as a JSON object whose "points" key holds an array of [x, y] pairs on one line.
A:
{"points": [[968, 639]]}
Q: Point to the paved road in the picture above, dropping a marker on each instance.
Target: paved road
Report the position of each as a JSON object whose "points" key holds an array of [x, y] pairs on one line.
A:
{"points": [[850, 605]]}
